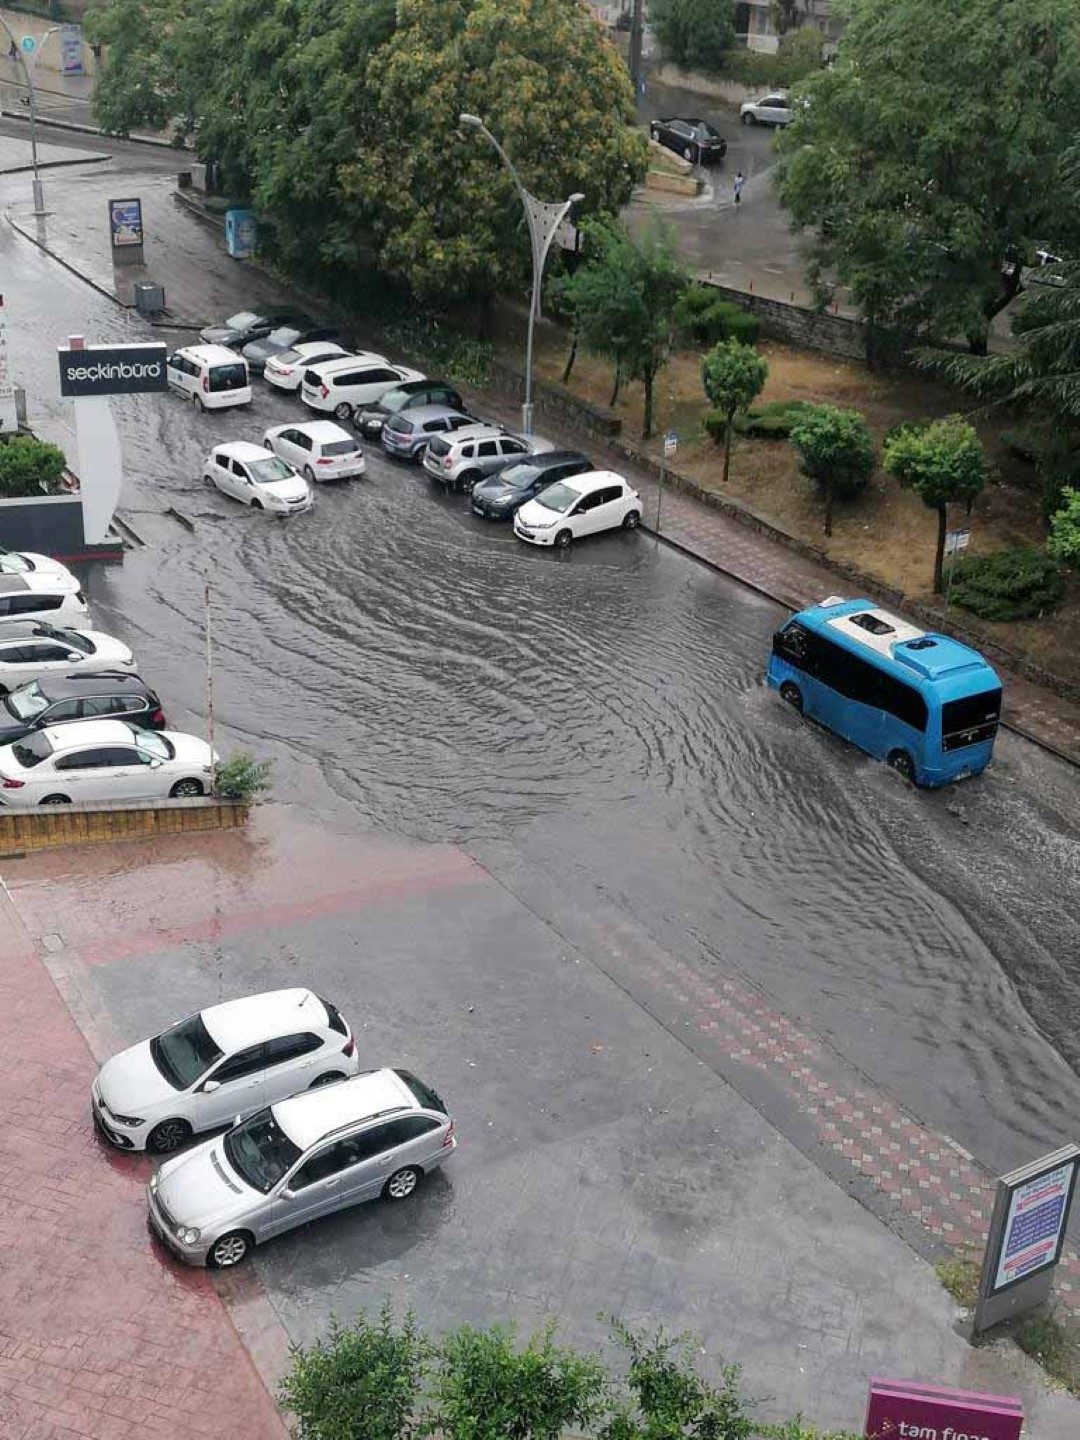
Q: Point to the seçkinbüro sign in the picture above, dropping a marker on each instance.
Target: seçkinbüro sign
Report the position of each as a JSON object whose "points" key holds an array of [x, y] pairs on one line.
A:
{"points": [[112, 369]]}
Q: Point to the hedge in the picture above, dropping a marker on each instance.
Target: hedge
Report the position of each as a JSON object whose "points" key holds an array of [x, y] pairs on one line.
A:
{"points": [[1019, 584]]}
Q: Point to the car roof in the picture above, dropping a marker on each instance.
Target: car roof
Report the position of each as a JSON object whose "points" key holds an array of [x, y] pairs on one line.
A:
{"points": [[349, 362], [303, 347], [476, 432], [211, 354], [590, 479], [57, 687], [235, 1024], [47, 583], [320, 429], [420, 413], [34, 627], [307, 1118], [77, 733], [543, 458], [686, 120], [243, 450]]}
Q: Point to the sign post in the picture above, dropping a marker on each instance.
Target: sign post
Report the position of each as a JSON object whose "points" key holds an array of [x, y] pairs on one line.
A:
{"points": [[897, 1409], [126, 231], [671, 445], [1027, 1235], [71, 45], [9, 410], [955, 541]]}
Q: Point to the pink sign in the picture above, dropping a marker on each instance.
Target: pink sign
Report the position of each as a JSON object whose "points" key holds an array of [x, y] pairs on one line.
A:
{"points": [[899, 1410]]}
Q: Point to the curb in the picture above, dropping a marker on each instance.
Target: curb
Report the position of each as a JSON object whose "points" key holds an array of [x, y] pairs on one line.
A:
{"points": [[88, 159], [78, 129]]}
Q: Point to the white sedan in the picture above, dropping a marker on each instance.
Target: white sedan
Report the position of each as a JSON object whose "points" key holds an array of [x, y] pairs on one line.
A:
{"points": [[319, 449], [769, 110], [582, 505], [258, 477], [286, 369], [228, 1060], [32, 650], [24, 562], [90, 762]]}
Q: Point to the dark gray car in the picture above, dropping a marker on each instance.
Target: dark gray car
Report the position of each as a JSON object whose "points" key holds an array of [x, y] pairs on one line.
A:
{"points": [[247, 325], [406, 435], [409, 396], [499, 496], [300, 332]]}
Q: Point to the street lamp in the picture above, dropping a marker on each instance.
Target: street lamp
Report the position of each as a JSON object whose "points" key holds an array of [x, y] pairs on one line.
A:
{"points": [[29, 66], [543, 221]]}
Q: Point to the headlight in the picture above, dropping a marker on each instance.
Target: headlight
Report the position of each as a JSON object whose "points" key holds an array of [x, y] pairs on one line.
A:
{"points": [[132, 1120], [188, 1235], [540, 524], [154, 1183]]}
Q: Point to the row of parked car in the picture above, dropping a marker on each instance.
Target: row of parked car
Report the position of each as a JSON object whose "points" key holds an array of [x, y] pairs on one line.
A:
{"points": [[553, 497], [78, 724], [306, 1132]]}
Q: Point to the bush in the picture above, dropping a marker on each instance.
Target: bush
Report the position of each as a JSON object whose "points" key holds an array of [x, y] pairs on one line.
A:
{"points": [[444, 350], [772, 421], [29, 466], [1019, 584], [694, 33], [1065, 529], [703, 317], [801, 51], [242, 777], [769, 72]]}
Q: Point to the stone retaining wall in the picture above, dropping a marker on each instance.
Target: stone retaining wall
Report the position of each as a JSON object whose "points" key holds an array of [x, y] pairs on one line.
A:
{"points": [[556, 402], [50, 826]]}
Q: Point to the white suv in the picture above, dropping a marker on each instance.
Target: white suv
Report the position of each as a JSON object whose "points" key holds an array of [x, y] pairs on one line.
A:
{"points": [[769, 110], [226, 1061], [463, 458], [343, 387], [33, 596]]}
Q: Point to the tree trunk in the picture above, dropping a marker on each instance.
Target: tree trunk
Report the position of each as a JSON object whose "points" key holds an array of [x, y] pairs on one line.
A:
{"points": [[939, 553], [828, 506], [570, 361], [977, 343], [727, 445], [615, 391], [647, 430]]}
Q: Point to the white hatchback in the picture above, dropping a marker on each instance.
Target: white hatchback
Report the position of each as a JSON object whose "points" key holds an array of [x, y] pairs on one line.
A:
{"points": [[582, 505], [219, 1065], [258, 477], [93, 762], [31, 650], [343, 387], [319, 449], [26, 562], [285, 369]]}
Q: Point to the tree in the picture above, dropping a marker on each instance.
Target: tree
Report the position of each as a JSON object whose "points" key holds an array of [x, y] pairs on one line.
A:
{"points": [[733, 375], [669, 1400], [659, 278], [942, 463], [29, 466], [694, 33], [150, 76], [837, 450], [786, 15], [1064, 542], [924, 191], [487, 1388]]}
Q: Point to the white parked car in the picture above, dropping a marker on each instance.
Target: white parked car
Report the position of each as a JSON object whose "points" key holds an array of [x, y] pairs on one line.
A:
{"points": [[56, 599], [32, 650], [319, 449], [343, 387], [285, 369], [582, 505], [258, 477], [26, 562], [223, 1063], [100, 761], [774, 109]]}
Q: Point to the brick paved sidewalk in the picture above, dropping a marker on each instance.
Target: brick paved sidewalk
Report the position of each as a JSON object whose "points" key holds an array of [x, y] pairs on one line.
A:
{"points": [[100, 1338]]}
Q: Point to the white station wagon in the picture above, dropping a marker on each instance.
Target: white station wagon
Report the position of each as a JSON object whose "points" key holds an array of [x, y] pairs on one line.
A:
{"points": [[581, 505], [258, 477], [343, 387], [227, 1061]]}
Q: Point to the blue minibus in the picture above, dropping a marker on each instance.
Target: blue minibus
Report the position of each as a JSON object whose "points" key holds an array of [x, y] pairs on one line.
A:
{"points": [[921, 701]]}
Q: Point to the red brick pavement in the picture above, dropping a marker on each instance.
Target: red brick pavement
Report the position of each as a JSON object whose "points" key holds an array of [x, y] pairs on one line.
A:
{"points": [[100, 1337]]}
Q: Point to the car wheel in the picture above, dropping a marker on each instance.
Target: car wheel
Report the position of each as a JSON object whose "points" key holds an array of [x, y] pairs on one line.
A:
{"points": [[401, 1184], [228, 1250], [196, 400], [902, 763], [792, 695], [331, 1077], [746, 118], [168, 1136], [343, 412], [631, 520], [186, 790], [208, 480], [563, 540], [654, 133], [468, 480], [56, 800], [256, 504], [309, 475]]}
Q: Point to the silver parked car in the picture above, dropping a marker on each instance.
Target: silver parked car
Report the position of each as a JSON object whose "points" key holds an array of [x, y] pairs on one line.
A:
{"points": [[459, 460], [290, 1163], [406, 434]]}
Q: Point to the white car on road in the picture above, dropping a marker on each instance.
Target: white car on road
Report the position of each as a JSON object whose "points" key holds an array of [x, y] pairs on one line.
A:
{"points": [[319, 449], [25, 562], [258, 477], [32, 650], [343, 387], [582, 505], [774, 109], [285, 369], [90, 762], [225, 1062]]}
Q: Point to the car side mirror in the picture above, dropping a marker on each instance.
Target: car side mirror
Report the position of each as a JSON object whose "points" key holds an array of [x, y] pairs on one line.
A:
{"points": [[209, 1086], [73, 657], [288, 1194]]}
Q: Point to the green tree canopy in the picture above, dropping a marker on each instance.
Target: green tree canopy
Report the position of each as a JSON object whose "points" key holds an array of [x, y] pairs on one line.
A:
{"points": [[694, 33], [942, 463], [1064, 542], [732, 375], [925, 187], [29, 466], [837, 450]]}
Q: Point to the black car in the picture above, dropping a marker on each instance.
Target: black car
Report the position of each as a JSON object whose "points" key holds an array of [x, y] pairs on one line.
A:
{"points": [[108, 695], [248, 325], [298, 332], [695, 140], [500, 495], [406, 397]]}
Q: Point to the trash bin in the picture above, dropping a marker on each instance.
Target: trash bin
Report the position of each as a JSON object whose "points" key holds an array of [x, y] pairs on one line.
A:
{"points": [[149, 299], [240, 233]]}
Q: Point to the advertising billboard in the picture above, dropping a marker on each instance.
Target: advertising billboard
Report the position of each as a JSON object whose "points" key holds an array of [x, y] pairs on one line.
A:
{"points": [[112, 369], [1035, 1217], [901, 1410], [125, 223]]}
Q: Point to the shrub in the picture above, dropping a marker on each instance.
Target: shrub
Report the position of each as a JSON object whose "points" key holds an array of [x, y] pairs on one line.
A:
{"points": [[218, 204], [29, 466], [455, 356], [1065, 529], [703, 317], [1019, 584], [732, 375], [772, 421], [242, 777], [767, 72], [801, 52]]}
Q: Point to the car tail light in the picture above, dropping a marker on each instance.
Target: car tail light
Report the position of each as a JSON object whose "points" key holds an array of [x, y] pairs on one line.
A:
{"points": [[284, 369], [324, 391], [206, 382], [448, 462], [349, 1048], [158, 717], [9, 784], [448, 1138], [324, 460]]}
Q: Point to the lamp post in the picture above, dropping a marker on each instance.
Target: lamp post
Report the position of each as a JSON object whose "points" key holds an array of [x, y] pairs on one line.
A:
{"points": [[29, 67], [543, 220]]}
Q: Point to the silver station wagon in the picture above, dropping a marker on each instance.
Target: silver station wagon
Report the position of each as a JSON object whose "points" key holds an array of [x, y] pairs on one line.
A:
{"points": [[374, 1135]]}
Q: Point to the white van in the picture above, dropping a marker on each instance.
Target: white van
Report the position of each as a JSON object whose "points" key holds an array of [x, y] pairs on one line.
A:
{"points": [[210, 376], [343, 387], [54, 598]]}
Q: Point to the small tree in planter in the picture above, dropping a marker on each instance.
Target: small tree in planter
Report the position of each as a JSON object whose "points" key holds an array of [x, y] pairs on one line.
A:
{"points": [[942, 463], [733, 375], [29, 466], [1065, 529], [837, 450], [241, 777]]}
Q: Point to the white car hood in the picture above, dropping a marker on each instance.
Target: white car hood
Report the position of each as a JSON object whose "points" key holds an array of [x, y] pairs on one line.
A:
{"points": [[131, 1084], [45, 564], [190, 750], [533, 513], [294, 488], [201, 1188]]}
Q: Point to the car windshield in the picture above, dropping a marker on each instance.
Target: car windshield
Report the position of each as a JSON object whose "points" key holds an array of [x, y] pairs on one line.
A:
{"points": [[24, 704], [32, 750], [286, 357], [12, 564], [423, 1094], [394, 400], [154, 744], [69, 637], [260, 1152], [559, 497], [520, 476], [184, 1052], [285, 336], [241, 320], [270, 469], [704, 132]]}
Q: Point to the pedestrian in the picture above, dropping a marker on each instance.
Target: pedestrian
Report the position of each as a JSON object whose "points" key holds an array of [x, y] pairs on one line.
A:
{"points": [[739, 183], [13, 52]]}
